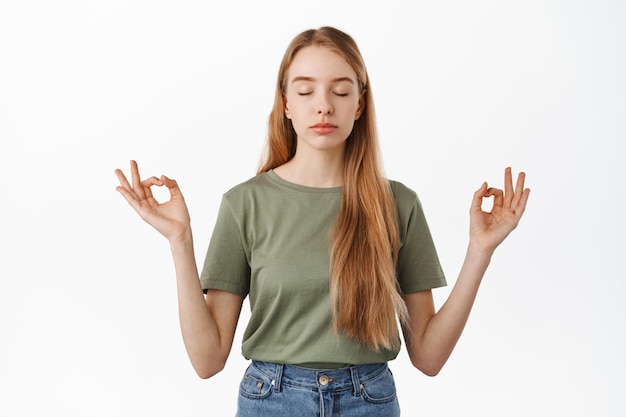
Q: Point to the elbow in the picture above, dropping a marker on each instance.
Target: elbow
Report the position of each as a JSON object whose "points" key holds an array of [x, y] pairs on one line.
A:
{"points": [[429, 361], [207, 370], [429, 368], [206, 373], [430, 371]]}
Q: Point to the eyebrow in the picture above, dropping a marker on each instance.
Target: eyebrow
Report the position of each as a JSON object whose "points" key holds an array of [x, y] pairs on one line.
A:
{"points": [[334, 80]]}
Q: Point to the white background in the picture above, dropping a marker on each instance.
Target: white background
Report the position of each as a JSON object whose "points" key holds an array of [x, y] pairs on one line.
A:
{"points": [[88, 316]]}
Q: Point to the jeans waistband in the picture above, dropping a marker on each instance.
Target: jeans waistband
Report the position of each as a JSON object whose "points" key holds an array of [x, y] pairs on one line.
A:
{"points": [[348, 378]]}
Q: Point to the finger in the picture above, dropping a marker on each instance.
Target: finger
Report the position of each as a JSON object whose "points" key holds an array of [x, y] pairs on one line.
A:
{"points": [[129, 196], [149, 182], [134, 173], [508, 187], [477, 200], [498, 196], [172, 186], [125, 189], [122, 179], [521, 206], [519, 189]]}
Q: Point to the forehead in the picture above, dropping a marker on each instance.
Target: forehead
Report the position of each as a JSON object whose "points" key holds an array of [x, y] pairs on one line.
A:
{"points": [[321, 63]]}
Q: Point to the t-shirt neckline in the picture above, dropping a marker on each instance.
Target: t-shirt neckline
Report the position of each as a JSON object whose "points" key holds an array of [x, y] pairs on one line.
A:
{"points": [[274, 178]]}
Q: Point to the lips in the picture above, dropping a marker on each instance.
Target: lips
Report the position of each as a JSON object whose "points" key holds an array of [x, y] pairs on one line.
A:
{"points": [[323, 128]]}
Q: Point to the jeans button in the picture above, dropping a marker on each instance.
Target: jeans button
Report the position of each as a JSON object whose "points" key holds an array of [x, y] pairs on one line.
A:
{"points": [[324, 380]]}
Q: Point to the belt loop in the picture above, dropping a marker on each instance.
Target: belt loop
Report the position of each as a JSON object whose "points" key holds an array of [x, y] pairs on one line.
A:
{"points": [[355, 381], [279, 377]]}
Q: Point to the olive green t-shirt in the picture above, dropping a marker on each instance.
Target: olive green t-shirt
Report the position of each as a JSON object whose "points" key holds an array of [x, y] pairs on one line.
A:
{"points": [[271, 243]]}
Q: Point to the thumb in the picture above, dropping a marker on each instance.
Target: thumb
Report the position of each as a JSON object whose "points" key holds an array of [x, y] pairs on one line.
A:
{"points": [[172, 186], [477, 200]]}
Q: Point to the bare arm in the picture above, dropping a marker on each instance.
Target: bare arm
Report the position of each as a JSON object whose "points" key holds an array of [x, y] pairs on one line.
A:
{"points": [[431, 336], [207, 323]]}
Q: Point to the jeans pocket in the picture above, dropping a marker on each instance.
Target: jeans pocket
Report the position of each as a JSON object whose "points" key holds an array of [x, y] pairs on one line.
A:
{"points": [[255, 384], [381, 389]]}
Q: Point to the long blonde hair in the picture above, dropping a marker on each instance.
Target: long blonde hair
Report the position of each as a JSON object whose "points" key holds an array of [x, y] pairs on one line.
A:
{"points": [[363, 284]]}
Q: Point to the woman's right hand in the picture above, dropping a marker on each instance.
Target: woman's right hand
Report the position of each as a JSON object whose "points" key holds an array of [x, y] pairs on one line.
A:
{"points": [[170, 218]]}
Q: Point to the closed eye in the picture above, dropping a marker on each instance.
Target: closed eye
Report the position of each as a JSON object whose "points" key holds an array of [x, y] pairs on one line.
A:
{"points": [[308, 93]]}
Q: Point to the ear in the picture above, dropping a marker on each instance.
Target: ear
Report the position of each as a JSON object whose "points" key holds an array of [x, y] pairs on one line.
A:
{"points": [[359, 110], [286, 108]]}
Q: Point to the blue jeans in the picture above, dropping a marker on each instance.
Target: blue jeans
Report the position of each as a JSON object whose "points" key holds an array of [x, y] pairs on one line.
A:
{"points": [[276, 390]]}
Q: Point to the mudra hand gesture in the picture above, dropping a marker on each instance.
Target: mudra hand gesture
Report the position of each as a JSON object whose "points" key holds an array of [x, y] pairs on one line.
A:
{"points": [[489, 229], [170, 218]]}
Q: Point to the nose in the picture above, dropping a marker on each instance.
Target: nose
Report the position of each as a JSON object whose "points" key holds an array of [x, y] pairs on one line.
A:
{"points": [[324, 106]]}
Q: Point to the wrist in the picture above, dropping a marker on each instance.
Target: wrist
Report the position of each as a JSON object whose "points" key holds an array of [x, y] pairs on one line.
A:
{"points": [[182, 240], [475, 250]]}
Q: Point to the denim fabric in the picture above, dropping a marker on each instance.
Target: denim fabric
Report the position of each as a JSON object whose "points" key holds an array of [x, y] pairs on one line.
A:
{"points": [[276, 390]]}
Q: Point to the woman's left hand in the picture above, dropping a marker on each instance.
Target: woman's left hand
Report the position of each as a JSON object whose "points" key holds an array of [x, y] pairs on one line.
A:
{"points": [[489, 229]]}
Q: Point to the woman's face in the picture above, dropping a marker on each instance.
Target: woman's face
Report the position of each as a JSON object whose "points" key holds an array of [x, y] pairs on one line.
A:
{"points": [[322, 99]]}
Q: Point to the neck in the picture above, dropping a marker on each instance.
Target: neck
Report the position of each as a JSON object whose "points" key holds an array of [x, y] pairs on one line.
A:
{"points": [[315, 169]]}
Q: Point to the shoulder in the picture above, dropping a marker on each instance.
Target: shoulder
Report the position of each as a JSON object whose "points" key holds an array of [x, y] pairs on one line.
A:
{"points": [[261, 191], [404, 196], [246, 186], [237, 198], [408, 203], [244, 190]]}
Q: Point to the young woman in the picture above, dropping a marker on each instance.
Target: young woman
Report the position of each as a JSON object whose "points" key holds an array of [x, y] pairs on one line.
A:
{"points": [[330, 252]]}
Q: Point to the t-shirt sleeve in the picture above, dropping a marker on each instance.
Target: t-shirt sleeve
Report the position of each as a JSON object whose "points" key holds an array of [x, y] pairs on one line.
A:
{"points": [[419, 268], [226, 265]]}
